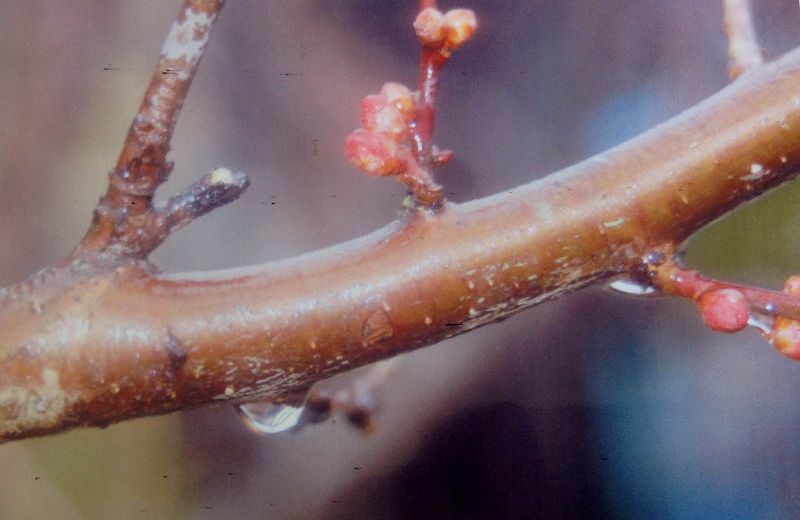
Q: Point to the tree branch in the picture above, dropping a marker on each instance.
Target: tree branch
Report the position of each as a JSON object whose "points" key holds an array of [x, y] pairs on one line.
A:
{"points": [[89, 344], [744, 53], [125, 226]]}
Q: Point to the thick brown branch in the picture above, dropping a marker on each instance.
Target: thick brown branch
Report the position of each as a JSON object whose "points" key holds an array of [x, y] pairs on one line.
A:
{"points": [[80, 346]]}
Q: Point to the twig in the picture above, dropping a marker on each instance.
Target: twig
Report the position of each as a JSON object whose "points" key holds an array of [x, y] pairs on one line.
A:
{"points": [[396, 137], [673, 279], [124, 223], [744, 52], [212, 190]]}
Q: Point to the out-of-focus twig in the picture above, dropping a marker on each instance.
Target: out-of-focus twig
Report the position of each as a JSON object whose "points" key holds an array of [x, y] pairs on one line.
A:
{"points": [[744, 52]]}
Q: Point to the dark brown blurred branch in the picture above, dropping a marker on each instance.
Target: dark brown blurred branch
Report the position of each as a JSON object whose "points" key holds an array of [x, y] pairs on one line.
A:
{"points": [[90, 342]]}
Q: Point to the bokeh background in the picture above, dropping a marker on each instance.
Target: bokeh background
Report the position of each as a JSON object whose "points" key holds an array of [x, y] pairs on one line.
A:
{"points": [[596, 405]]}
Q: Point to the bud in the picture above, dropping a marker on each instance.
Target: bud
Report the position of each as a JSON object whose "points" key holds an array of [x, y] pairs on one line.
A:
{"points": [[725, 310], [786, 337], [401, 98], [460, 25], [375, 153], [430, 27], [785, 333]]}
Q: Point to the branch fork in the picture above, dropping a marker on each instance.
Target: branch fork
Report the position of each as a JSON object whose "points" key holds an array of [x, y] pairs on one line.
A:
{"points": [[126, 225]]}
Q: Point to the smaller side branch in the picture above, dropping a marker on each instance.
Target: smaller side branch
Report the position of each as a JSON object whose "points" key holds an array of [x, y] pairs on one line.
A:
{"points": [[123, 220], [744, 53], [730, 307], [214, 189], [396, 134]]}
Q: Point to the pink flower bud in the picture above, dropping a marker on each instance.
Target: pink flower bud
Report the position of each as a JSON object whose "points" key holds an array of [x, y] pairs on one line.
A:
{"points": [[429, 27], [401, 98], [374, 153], [786, 337], [785, 333], [460, 25], [378, 116], [725, 310]]}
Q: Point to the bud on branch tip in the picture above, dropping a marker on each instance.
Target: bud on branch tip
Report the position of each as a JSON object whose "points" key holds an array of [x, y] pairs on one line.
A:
{"points": [[395, 138]]}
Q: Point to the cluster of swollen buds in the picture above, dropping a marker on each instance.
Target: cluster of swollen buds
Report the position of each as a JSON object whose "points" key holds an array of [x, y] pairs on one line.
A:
{"points": [[447, 31], [384, 145], [729, 309], [381, 146], [396, 131]]}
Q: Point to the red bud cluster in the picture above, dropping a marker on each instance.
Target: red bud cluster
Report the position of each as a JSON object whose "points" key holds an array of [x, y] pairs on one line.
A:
{"points": [[380, 147], [447, 31], [786, 331]]}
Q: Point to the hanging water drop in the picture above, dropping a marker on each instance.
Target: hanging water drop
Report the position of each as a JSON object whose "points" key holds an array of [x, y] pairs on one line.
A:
{"points": [[271, 418], [762, 323], [628, 286]]}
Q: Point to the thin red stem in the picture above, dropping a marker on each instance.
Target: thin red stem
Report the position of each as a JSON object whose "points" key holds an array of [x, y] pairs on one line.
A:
{"points": [[672, 279], [433, 60]]}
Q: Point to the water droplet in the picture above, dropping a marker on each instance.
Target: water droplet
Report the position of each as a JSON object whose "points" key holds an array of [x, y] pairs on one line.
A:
{"points": [[761, 322], [270, 418], [628, 286]]}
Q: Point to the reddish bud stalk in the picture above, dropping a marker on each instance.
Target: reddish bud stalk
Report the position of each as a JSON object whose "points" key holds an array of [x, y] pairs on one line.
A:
{"points": [[673, 279], [396, 134], [728, 307], [422, 128]]}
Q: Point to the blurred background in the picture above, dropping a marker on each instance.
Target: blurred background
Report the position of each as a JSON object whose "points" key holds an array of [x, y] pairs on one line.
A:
{"points": [[596, 405]]}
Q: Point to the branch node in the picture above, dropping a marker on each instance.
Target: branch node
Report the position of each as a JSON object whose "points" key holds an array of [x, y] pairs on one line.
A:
{"points": [[123, 224], [212, 190]]}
